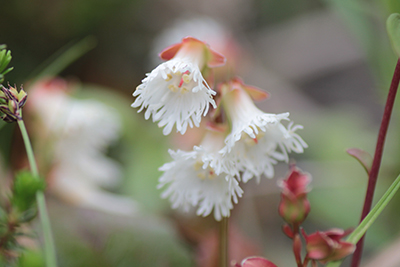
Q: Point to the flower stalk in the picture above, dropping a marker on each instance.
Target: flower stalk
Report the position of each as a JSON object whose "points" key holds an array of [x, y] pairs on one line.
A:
{"points": [[373, 174], [50, 253], [223, 243]]}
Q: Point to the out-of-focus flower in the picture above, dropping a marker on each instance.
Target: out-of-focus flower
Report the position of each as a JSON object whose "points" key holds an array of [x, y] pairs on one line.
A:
{"points": [[11, 103], [294, 206], [74, 136], [258, 140], [175, 92], [327, 246], [255, 262], [199, 178]]}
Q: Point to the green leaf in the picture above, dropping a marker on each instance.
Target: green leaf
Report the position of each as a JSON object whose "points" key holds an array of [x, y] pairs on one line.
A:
{"points": [[24, 191], [393, 29]]}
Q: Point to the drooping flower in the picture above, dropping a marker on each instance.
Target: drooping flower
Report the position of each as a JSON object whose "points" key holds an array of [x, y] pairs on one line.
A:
{"points": [[175, 92], [294, 206], [258, 140], [199, 179], [327, 246]]}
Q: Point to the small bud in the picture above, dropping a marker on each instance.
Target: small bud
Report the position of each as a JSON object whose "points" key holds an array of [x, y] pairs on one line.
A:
{"points": [[255, 262], [294, 206], [328, 246], [11, 103]]}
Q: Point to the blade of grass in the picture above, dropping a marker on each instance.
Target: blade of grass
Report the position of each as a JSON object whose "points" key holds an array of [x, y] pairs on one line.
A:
{"points": [[63, 58], [356, 235]]}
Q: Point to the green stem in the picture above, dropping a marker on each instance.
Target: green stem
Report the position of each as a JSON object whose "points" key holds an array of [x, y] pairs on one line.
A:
{"points": [[223, 243], [49, 247]]}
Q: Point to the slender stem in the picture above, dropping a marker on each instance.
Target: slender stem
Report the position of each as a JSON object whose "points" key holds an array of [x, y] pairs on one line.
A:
{"points": [[373, 174], [223, 243], [49, 247]]}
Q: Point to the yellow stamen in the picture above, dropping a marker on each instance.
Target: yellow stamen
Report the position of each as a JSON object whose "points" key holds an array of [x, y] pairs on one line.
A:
{"points": [[173, 88], [184, 90], [198, 165], [169, 77], [201, 175], [186, 78]]}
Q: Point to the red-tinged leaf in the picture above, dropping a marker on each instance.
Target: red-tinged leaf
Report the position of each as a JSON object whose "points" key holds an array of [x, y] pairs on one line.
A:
{"points": [[257, 262], [362, 156]]}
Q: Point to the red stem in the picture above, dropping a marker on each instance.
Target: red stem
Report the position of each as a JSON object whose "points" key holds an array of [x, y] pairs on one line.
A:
{"points": [[373, 174]]}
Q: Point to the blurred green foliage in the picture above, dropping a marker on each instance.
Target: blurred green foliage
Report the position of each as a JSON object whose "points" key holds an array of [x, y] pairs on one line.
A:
{"points": [[5, 58], [24, 190]]}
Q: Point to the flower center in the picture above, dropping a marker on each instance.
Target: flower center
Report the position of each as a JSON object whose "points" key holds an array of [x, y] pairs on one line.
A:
{"points": [[179, 82], [252, 141], [208, 173]]}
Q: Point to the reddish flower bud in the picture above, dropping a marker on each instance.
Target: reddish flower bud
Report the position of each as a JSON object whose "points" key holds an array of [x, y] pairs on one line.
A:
{"points": [[328, 246], [294, 206], [255, 262]]}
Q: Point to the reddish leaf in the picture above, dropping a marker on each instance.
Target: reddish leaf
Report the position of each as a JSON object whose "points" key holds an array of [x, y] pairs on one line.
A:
{"points": [[362, 156]]}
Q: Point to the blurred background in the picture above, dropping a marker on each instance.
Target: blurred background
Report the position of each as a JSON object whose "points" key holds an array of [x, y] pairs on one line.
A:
{"points": [[327, 62]]}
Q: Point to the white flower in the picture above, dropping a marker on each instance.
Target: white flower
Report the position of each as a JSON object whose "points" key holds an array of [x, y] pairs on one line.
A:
{"points": [[258, 140], [75, 135], [194, 180], [175, 92]]}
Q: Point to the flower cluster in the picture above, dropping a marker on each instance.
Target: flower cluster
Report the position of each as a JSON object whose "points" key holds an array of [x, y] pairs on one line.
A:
{"points": [[240, 140], [11, 103]]}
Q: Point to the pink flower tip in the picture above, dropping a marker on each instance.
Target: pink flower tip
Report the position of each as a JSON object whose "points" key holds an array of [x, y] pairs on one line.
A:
{"points": [[256, 262], [212, 58], [296, 183]]}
